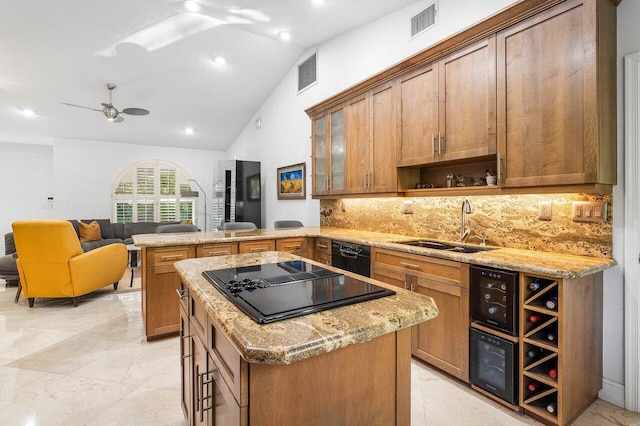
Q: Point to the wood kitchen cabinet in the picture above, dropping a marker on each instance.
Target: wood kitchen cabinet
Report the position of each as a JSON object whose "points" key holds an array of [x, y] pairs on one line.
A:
{"points": [[227, 390], [256, 246], [217, 249], [443, 341], [557, 96], [159, 284], [323, 251], [567, 338], [328, 152], [447, 109], [296, 245], [371, 142]]}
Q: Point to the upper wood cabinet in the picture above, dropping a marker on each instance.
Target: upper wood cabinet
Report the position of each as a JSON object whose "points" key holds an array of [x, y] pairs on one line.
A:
{"points": [[371, 142], [556, 96], [448, 108], [328, 154]]}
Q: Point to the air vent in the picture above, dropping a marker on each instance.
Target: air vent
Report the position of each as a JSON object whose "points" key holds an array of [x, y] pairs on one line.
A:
{"points": [[307, 73], [423, 20]]}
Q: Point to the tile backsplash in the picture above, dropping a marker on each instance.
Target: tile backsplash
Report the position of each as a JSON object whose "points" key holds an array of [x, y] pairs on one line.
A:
{"points": [[503, 220]]}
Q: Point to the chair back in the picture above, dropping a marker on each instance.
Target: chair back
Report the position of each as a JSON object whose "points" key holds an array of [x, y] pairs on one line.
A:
{"points": [[44, 248], [287, 224], [238, 226], [176, 228]]}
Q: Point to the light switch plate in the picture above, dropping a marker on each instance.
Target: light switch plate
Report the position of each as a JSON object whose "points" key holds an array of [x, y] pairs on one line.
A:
{"points": [[589, 211], [544, 210]]}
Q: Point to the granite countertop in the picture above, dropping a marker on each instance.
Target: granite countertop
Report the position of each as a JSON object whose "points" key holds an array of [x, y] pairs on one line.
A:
{"points": [[547, 264], [291, 340]]}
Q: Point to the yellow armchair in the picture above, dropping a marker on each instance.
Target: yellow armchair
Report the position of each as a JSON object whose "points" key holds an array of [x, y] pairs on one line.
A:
{"points": [[51, 262]]}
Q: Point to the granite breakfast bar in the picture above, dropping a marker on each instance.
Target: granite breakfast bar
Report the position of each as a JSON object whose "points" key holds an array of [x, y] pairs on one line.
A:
{"points": [[348, 365]]}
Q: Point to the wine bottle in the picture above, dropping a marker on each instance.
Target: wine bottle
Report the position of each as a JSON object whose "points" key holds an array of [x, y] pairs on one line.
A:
{"points": [[533, 386], [534, 286], [535, 318], [553, 373], [535, 352], [552, 303], [551, 407], [552, 336]]}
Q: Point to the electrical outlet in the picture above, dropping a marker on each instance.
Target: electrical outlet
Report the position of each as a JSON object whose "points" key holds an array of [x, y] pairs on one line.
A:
{"points": [[408, 207], [544, 210]]}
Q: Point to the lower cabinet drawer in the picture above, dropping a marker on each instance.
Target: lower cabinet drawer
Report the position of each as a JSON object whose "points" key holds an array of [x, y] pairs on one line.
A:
{"points": [[199, 317], [256, 246], [232, 367], [209, 250], [226, 410], [293, 245]]}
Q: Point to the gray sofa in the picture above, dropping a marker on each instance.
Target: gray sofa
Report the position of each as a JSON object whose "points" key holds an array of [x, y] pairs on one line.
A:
{"points": [[111, 233]]}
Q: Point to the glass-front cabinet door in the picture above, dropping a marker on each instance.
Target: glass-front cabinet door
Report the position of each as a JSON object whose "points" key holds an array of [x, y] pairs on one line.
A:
{"points": [[320, 181], [336, 180], [329, 153]]}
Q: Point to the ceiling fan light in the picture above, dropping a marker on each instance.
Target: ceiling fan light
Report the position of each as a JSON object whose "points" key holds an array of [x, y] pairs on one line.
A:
{"points": [[192, 6], [110, 113]]}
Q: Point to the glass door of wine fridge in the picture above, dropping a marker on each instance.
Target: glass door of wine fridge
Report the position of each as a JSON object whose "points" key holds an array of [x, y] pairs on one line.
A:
{"points": [[494, 365]]}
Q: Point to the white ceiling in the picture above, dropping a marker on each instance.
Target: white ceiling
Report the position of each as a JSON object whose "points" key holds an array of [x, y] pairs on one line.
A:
{"points": [[66, 50]]}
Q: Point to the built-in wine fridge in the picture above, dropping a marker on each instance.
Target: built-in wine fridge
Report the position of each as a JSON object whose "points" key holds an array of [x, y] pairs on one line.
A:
{"points": [[494, 364], [493, 350]]}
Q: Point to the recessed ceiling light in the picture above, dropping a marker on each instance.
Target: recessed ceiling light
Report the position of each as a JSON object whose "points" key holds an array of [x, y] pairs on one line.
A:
{"points": [[27, 112], [220, 60], [285, 35], [188, 130], [192, 6]]}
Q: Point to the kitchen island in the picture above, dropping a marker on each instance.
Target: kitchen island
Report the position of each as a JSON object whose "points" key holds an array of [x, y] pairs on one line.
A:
{"points": [[348, 365]]}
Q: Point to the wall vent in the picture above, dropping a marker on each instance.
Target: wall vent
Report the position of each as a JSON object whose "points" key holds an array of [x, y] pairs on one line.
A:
{"points": [[307, 72], [423, 20]]}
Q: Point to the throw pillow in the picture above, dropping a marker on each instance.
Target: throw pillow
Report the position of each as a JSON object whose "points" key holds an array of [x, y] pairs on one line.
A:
{"points": [[89, 231]]}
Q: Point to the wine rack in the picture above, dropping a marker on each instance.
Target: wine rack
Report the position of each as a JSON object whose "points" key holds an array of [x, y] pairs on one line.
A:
{"points": [[540, 352]]}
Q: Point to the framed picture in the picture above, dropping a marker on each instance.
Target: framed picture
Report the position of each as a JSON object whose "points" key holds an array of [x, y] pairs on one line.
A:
{"points": [[292, 182]]}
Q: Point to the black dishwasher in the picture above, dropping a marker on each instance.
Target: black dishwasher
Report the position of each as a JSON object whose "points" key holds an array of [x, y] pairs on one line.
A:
{"points": [[351, 257]]}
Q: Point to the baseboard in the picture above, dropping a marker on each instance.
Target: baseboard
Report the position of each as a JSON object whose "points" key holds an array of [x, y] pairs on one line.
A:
{"points": [[612, 392]]}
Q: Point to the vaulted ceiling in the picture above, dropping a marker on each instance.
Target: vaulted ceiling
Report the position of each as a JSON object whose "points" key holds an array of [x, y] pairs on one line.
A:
{"points": [[161, 56]]}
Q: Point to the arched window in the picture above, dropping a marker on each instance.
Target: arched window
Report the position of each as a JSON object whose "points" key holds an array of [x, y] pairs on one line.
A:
{"points": [[150, 191]]}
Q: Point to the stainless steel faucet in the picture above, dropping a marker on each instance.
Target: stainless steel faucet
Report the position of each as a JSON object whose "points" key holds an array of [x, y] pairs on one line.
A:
{"points": [[465, 231]]}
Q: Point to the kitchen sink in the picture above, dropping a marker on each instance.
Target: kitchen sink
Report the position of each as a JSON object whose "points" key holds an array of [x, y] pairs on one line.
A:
{"points": [[445, 246]]}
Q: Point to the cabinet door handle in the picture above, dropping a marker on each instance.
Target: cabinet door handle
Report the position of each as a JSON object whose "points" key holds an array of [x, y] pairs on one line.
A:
{"points": [[293, 247], [328, 183], [217, 253], [433, 144], [322, 246], [439, 143], [410, 265], [182, 293], [499, 166], [171, 257], [405, 285]]}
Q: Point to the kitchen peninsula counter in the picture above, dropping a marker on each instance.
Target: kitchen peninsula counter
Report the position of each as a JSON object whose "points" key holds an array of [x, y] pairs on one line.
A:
{"points": [[548, 264], [347, 365]]}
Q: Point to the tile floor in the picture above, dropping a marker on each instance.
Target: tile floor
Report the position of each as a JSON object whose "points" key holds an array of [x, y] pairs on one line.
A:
{"points": [[91, 365]]}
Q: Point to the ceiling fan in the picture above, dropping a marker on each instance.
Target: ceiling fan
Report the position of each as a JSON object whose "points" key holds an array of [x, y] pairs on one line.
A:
{"points": [[110, 112]]}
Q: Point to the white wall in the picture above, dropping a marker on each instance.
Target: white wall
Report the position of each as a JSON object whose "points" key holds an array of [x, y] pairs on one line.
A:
{"points": [[284, 138], [80, 174], [352, 57], [26, 174]]}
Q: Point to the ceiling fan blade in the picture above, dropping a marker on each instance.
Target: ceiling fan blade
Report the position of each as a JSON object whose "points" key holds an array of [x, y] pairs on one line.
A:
{"points": [[106, 105], [120, 119], [135, 111], [80, 106]]}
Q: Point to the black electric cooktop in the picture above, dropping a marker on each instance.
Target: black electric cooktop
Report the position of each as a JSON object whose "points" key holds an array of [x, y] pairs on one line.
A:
{"points": [[277, 291]]}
